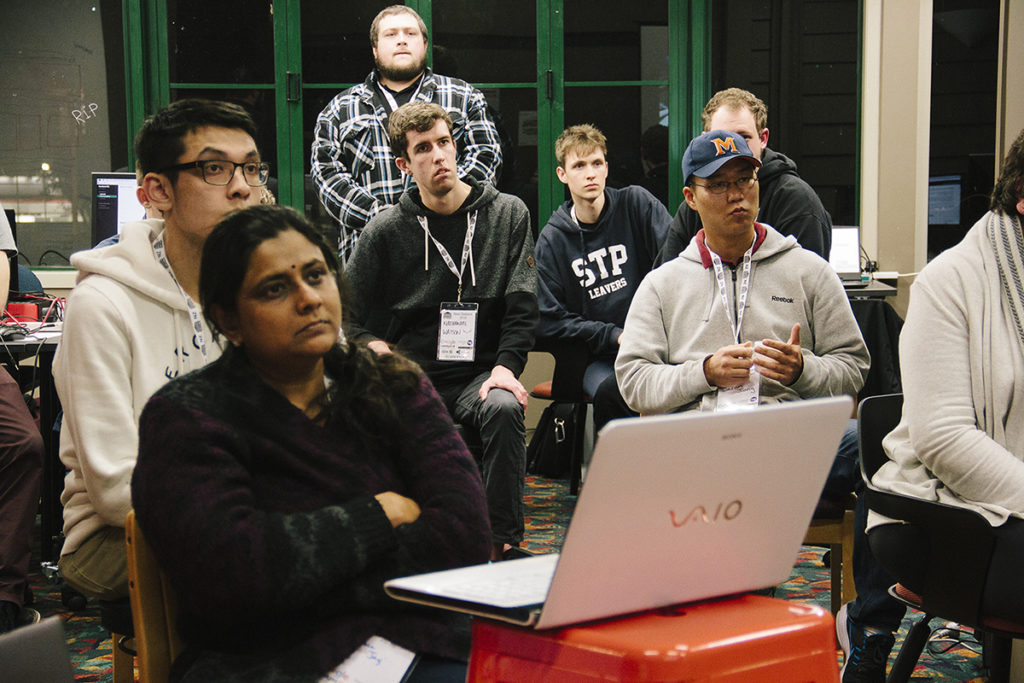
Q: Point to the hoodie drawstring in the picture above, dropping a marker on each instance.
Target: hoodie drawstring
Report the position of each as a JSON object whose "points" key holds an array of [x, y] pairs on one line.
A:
{"points": [[467, 250]]}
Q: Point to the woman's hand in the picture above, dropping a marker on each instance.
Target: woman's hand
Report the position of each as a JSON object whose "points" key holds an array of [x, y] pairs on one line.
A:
{"points": [[399, 509]]}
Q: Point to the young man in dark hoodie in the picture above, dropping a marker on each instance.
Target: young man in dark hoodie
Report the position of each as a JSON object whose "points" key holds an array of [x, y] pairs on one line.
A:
{"points": [[788, 204], [447, 277], [591, 257]]}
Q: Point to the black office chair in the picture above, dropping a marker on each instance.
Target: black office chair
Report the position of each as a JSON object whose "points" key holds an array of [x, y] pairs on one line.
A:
{"points": [[960, 550]]}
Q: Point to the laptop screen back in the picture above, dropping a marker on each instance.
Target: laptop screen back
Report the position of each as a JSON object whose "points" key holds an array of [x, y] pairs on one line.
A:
{"points": [[845, 254], [114, 203], [14, 285], [678, 508]]}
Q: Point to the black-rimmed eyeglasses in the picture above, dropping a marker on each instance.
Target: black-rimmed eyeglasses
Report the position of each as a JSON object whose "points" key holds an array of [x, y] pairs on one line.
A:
{"points": [[721, 187], [221, 171]]}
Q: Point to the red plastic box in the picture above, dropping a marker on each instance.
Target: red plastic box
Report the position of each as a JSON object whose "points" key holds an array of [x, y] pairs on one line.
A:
{"points": [[24, 312], [739, 640]]}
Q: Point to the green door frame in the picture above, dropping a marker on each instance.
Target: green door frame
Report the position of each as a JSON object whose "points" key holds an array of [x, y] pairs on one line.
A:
{"points": [[288, 97], [147, 84], [550, 103]]}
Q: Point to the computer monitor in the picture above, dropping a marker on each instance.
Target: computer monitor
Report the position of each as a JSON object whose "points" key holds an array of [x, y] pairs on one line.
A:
{"points": [[114, 203], [13, 258], [944, 193]]}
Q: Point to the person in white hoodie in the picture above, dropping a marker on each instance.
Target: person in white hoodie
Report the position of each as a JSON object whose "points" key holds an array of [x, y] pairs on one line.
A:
{"points": [[133, 323]]}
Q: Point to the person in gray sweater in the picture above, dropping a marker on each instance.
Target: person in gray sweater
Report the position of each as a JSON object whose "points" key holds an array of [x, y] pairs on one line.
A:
{"points": [[744, 316], [447, 277], [785, 313]]}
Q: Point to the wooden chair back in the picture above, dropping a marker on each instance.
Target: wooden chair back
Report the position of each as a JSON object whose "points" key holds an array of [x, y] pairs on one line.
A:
{"points": [[154, 609]]}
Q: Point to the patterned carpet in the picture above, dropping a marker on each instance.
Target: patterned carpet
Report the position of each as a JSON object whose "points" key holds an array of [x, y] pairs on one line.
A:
{"points": [[548, 509]]}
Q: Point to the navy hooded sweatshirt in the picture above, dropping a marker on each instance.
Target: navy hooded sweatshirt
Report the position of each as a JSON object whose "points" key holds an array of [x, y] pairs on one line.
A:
{"points": [[587, 275]]}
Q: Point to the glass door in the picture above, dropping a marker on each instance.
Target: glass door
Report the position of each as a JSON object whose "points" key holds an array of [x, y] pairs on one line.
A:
{"points": [[225, 50], [616, 78], [541, 66]]}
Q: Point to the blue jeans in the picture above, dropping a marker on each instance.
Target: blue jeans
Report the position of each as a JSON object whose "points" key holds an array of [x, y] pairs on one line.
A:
{"points": [[873, 606], [845, 472]]}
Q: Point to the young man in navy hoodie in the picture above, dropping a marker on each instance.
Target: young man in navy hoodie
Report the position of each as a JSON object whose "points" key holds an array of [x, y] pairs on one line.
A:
{"points": [[591, 257]]}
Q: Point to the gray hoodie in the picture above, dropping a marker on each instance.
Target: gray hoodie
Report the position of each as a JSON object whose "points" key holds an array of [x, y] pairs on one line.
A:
{"points": [[677, 320]]}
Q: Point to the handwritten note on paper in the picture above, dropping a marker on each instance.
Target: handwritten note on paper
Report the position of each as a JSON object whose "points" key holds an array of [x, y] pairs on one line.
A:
{"points": [[378, 660]]}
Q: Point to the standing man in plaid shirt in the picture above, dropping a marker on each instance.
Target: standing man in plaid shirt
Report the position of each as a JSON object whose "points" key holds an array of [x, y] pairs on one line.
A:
{"points": [[352, 164]]}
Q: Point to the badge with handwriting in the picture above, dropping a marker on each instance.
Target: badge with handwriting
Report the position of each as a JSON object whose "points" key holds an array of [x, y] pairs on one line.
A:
{"points": [[378, 660], [743, 397], [456, 336]]}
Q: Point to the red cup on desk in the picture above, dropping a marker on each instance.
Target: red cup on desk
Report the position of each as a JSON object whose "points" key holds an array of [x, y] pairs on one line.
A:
{"points": [[25, 313]]}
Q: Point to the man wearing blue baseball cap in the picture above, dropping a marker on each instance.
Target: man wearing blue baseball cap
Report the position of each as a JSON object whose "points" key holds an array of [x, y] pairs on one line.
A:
{"points": [[721, 325], [788, 203], [742, 317]]}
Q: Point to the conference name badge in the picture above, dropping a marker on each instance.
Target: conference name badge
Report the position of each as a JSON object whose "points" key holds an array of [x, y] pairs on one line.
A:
{"points": [[742, 397], [456, 336]]}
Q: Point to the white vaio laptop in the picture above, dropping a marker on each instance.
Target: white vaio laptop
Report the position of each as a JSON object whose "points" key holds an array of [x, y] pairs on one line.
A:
{"points": [[676, 508]]}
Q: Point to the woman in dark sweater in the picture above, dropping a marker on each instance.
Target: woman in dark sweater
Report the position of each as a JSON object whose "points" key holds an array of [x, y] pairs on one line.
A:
{"points": [[281, 485]]}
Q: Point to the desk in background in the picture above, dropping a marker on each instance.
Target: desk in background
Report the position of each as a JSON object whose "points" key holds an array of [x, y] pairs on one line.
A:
{"points": [[876, 289], [43, 348], [880, 326]]}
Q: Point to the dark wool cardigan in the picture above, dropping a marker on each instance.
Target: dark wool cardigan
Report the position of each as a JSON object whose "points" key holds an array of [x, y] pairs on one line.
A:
{"points": [[267, 526]]}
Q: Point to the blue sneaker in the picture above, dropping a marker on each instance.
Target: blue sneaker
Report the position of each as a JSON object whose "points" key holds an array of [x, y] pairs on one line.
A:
{"points": [[864, 656]]}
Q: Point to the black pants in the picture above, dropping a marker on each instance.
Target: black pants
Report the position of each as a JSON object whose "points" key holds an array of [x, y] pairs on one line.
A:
{"points": [[903, 550], [609, 404]]}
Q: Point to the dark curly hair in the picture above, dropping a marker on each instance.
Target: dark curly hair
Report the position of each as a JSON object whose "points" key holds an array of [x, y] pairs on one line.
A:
{"points": [[1010, 186], [362, 396]]}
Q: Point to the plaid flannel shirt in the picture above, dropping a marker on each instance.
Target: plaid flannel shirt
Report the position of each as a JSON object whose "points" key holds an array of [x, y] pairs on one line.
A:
{"points": [[352, 165]]}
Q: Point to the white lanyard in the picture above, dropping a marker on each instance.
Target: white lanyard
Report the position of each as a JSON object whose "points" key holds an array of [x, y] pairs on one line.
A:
{"points": [[193, 310], [741, 303], [467, 250]]}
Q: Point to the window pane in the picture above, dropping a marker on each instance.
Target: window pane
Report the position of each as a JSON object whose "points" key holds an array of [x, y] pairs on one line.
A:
{"points": [[961, 157], [611, 40], [227, 41], [62, 114], [336, 40], [801, 60], [514, 111], [259, 103], [636, 131], [485, 42]]}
